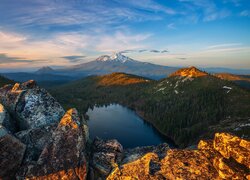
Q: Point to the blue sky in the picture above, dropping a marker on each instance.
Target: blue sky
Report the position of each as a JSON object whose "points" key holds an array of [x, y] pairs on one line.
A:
{"points": [[204, 33]]}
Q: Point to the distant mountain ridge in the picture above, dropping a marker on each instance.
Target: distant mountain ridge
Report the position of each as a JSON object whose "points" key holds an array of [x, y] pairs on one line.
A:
{"points": [[105, 64], [242, 80], [118, 63], [45, 70], [232, 77]]}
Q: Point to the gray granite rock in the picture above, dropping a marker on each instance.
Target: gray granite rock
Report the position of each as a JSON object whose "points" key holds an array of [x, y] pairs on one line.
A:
{"points": [[30, 105], [63, 156], [35, 140], [6, 120], [105, 156], [11, 154]]}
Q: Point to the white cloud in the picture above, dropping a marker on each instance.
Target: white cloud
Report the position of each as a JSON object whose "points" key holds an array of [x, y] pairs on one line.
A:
{"points": [[211, 16], [171, 26], [67, 44], [49, 13], [209, 9], [225, 45], [120, 41], [150, 5], [245, 13], [11, 37]]}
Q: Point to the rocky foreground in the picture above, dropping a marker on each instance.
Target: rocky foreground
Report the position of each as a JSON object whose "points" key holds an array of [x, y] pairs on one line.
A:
{"points": [[39, 140]]}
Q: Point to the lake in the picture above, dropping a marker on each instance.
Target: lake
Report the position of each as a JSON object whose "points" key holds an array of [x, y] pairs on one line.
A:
{"points": [[118, 122]]}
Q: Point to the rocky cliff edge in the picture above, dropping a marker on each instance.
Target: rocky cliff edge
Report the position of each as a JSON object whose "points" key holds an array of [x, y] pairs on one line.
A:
{"points": [[39, 140]]}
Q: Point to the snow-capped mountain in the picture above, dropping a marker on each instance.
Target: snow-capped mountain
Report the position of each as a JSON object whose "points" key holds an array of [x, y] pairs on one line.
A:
{"points": [[116, 57], [117, 62], [105, 64]]}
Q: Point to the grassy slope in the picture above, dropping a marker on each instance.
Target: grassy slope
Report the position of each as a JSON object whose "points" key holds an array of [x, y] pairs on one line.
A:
{"points": [[200, 104]]}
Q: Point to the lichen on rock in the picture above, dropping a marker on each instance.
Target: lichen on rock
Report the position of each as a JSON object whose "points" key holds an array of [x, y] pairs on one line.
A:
{"points": [[11, 154], [30, 105], [225, 157], [64, 154]]}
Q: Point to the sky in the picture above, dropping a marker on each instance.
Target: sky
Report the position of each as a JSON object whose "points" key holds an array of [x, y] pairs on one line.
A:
{"points": [[58, 33]]}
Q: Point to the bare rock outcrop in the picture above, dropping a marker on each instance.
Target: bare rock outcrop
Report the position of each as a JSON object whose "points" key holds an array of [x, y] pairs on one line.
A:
{"points": [[105, 156], [6, 120], [30, 105], [225, 157], [42, 144], [11, 154], [35, 140], [230, 146], [63, 157], [226, 168]]}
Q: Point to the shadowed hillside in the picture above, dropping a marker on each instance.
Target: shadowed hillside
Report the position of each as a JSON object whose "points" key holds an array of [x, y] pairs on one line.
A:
{"points": [[4, 81]]}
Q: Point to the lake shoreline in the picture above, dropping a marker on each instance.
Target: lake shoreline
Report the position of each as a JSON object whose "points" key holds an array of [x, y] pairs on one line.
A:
{"points": [[137, 114]]}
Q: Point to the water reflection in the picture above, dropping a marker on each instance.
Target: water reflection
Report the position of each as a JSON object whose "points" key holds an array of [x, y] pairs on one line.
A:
{"points": [[117, 122]]}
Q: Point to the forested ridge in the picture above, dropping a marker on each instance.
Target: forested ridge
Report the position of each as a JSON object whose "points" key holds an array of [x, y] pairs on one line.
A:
{"points": [[182, 108]]}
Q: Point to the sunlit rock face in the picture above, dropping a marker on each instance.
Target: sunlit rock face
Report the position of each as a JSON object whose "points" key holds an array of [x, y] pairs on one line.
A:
{"points": [[63, 156], [30, 105], [189, 72], [233, 147], [177, 164], [225, 157], [226, 168]]}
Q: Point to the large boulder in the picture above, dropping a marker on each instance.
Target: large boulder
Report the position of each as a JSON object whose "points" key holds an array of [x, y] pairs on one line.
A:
{"points": [[35, 140], [30, 105], [106, 154], [63, 157], [225, 157], [177, 164], [142, 168], [11, 154]]}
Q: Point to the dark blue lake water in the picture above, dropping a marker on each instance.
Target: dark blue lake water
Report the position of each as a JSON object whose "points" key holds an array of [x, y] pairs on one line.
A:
{"points": [[117, 122]]}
